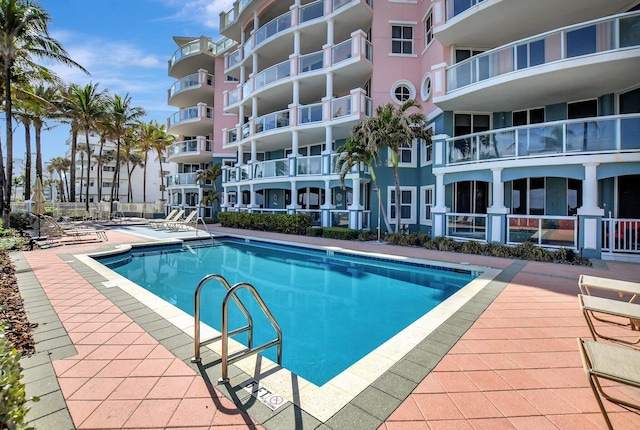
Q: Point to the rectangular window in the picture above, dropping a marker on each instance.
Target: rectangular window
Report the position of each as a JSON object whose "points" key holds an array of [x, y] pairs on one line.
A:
{"points": [[526, 117], [528, 196], [426, 151], [106, 185], [428, 28], [108, 168], [407, 204], [582, 109], [402, 39], [427, 203]]}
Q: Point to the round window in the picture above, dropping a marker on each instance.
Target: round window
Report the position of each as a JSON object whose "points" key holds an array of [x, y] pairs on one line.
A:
{"points": [[403, 91], [425, 89]]}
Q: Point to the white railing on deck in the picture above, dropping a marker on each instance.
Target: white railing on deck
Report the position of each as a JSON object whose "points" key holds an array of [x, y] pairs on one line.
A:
{"points": [[467, 226], [621, 235], [543, 230]]}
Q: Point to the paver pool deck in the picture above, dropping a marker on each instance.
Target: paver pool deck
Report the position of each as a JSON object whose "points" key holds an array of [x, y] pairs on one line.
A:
{"points": [[506, 360]]}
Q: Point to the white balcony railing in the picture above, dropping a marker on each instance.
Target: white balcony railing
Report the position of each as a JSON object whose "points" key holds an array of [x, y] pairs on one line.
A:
{"points": [[273, 27], [621, 235], [188, 82], [191, 114], [467, 226], [309, 165], [311, 11], [271, 121], [591, 135], [543, 230], [272, 74], [181, 179], [271, 168], [606, 34], [193, 146]]}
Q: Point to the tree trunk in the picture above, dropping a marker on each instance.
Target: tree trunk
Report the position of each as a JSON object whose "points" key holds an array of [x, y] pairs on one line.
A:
{"points": [[38, 128], [27, 161], [144, 178], [6, 208], [86, 205], [161, 177], [383, 210], [99, 174], [72, 169], [398, 197], [116, 176]]}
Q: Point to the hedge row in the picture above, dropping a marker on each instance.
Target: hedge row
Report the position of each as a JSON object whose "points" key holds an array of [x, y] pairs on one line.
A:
{"points": [[279, 223], [341, 233], [525, 251]]}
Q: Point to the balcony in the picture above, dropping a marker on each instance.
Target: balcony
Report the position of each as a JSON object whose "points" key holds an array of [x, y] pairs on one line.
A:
{"points": [[349, 61], [349, 15], [510, 77], [598, 135], [189, 151], [299, 167], [191, 89], [181, 179], [196, 120], [231, 21], [195, 55], [342, 113], [474, 22]]}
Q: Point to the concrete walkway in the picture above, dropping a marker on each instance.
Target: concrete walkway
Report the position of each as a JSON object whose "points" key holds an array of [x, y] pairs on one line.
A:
{"points": [[509, 360]]}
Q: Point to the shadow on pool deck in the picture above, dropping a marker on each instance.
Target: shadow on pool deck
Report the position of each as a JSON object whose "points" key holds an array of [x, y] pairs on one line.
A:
{"points": [[507, 359]]}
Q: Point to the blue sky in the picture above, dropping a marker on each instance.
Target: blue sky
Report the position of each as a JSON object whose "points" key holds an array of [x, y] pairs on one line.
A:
{"points": [[125, 45]]}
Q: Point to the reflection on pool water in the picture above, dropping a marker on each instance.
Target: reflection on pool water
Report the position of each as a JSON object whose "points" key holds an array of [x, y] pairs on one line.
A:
{"points": [[334, 308]]}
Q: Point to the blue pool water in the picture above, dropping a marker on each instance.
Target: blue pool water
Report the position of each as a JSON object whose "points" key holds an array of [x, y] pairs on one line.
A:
{"points": [[333, 308]]}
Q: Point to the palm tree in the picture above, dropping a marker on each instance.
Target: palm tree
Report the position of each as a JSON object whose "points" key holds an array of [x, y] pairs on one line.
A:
{"points": [[24, 34], [163, 141], [81, 149], [150, 136], [353, 153], [102, 157], [45, 106], [121, 115], [60, 165], [131, 157], [88, 107], [212, 174], [393, 128]]}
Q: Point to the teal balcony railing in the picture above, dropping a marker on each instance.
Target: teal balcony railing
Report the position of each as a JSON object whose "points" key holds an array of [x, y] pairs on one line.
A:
{"points": [[603, 35], [590, 135]]}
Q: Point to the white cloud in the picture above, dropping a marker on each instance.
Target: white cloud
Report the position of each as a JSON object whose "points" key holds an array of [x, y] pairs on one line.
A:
{"points": [[201, 13]]}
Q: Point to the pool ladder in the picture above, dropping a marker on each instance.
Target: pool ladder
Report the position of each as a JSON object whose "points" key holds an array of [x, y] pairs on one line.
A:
{"points": [[224, 336]]}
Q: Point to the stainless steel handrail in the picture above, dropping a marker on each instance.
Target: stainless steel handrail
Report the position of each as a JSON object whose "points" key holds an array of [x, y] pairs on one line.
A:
{"points": [[196, 317], [226, 359], [224, 336]]}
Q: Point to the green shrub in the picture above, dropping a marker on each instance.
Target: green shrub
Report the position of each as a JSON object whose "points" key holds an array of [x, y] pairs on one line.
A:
{"points": [[365, 236], [472, 247], [444, 243], [20, 221], [497, 250], [341, 233], [280, 223], [530, 251], [393, 238], [11, 242], [314, 231], [412, 239], [13, 397]]}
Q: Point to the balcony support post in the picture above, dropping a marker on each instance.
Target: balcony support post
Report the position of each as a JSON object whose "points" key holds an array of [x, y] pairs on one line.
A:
{"points": [[439, 211], [497, 213], [590, 215]]}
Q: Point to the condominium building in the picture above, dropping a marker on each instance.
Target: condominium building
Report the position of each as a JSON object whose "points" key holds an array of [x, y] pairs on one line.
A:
{"points": [[535, 121]]}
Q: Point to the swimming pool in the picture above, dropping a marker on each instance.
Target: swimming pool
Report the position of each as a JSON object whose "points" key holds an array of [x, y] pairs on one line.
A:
{"points": [[334, 308]]}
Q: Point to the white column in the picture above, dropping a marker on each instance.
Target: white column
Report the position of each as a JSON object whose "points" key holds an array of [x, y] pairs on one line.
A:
{"points": [[330, 32], [328, 139], [498, 189], [294, 143], [329, 92], [296, 42], [240, 154], [295, 93], [254, 151], [590, 191], [440, 193]]}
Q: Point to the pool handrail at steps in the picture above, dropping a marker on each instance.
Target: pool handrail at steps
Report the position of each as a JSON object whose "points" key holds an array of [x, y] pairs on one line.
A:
{"points": [[225, 333]]}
